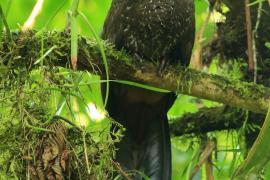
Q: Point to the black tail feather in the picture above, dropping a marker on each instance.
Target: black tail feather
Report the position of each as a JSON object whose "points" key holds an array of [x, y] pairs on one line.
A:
{"points": [[146, 145]]}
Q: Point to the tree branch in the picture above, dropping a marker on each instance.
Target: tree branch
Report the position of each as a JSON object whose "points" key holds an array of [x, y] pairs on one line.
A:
{"points": [[213, 119], [235, 93]]}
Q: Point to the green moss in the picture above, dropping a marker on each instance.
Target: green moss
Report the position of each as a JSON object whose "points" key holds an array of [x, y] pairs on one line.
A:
{"points": [[30, 81]]}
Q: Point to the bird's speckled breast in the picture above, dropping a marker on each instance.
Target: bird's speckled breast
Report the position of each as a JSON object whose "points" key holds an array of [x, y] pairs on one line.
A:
{"points": [[151, 29]]}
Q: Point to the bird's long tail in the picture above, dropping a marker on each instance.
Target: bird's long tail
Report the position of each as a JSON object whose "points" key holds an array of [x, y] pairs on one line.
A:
{"points": [[146, 146]]}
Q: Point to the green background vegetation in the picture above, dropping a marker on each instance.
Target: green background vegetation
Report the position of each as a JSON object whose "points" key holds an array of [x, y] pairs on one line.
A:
{"points": [[185, 149]]}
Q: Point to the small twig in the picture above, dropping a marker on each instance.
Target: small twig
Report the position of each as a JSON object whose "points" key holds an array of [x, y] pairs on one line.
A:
{"points": [[255, 36], [120, 170], [85, 153], [197, 55], [209, 169], [203, 158], [67, 121], [34, 127], [249, 36]]}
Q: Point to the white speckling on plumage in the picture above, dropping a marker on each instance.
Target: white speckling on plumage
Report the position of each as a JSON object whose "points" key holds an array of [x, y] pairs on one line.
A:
{"points": [[152, 29]]}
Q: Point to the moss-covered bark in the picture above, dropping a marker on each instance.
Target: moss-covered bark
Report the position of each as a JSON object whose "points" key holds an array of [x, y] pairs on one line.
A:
{"points": [[25, 49], [215, 119]]}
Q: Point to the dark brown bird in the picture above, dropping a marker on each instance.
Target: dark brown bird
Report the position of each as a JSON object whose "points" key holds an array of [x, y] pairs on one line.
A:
{"points": [[157, 30]]}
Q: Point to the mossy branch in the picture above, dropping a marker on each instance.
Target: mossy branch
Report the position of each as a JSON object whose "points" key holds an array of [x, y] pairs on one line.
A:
{"points": [[235, 93], [215, 119]]}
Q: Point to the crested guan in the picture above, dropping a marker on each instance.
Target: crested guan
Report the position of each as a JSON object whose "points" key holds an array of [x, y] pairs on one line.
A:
{"points": [[156, 30]]}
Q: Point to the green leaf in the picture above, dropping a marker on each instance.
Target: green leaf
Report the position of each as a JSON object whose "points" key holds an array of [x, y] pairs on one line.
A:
{"points": [[144, 86], [102, 51], [3, 19], [258, 156]]}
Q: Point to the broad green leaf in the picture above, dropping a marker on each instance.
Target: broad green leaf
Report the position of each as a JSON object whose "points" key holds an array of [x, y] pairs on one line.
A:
{"points": [[258, 155]]}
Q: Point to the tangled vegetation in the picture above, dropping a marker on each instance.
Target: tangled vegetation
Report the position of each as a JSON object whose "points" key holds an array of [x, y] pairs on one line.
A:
{"points": [[43, 134]]}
